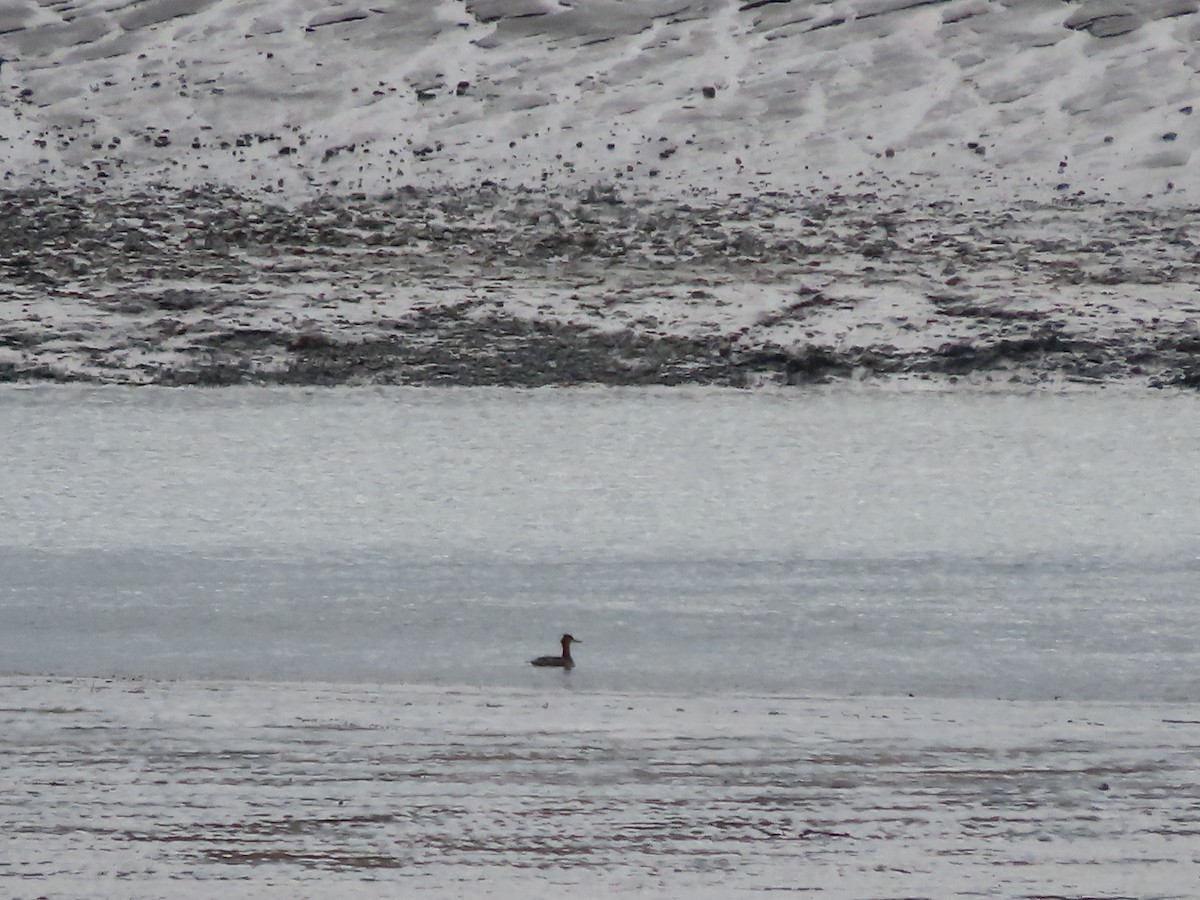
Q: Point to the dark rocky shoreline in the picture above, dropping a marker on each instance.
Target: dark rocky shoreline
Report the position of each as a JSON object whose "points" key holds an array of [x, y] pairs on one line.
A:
{"points": [[500, 287]]}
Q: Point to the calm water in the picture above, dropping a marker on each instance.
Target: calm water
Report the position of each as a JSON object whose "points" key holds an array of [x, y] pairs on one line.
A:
{"points": [[696, 540]]}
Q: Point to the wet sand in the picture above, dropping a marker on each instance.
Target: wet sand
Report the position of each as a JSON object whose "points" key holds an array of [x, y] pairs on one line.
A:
{"points": [[135, 788]]}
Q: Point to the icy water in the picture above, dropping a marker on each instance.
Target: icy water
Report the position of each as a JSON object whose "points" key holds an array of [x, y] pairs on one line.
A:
{"points": [[202, 789], [708, 541], [322, 604]]}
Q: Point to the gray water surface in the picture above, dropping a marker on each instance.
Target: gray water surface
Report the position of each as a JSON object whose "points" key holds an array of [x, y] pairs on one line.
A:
{"points": [[696, 540]]}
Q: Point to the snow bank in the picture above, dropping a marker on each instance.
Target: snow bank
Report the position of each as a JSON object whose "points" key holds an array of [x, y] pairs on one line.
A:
{"points": [[530, 192], [992, 96]]}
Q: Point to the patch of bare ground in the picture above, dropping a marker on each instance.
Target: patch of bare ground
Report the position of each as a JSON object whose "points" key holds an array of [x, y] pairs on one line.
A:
{"points": [[495, 287]]}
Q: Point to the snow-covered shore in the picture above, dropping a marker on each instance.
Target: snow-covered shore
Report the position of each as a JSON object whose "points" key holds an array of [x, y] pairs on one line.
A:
{"points": [[991, 99], [492, 286], [531, 192], [149, 788]]}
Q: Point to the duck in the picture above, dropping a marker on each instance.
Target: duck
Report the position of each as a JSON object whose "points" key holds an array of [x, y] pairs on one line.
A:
{"points": [[564, 661]]}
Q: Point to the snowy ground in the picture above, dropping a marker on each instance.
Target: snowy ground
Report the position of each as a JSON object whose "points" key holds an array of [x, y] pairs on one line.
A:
{"points": [[487, 287], [527, 191], [140, 789], [991, 98]]}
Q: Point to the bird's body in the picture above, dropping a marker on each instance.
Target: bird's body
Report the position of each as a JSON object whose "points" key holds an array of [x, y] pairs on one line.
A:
{"points": [[560, 662]]}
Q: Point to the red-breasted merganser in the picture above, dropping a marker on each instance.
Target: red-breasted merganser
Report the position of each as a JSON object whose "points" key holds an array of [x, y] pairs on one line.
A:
{"points": [[562, 662]]}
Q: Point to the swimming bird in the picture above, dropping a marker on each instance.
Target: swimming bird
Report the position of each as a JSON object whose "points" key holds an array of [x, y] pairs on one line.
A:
{"points": [[562, 662]]}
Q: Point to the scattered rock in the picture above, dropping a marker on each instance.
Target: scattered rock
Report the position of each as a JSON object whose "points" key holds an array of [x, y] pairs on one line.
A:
{"points": [[635, 291], [1104, 19]]}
